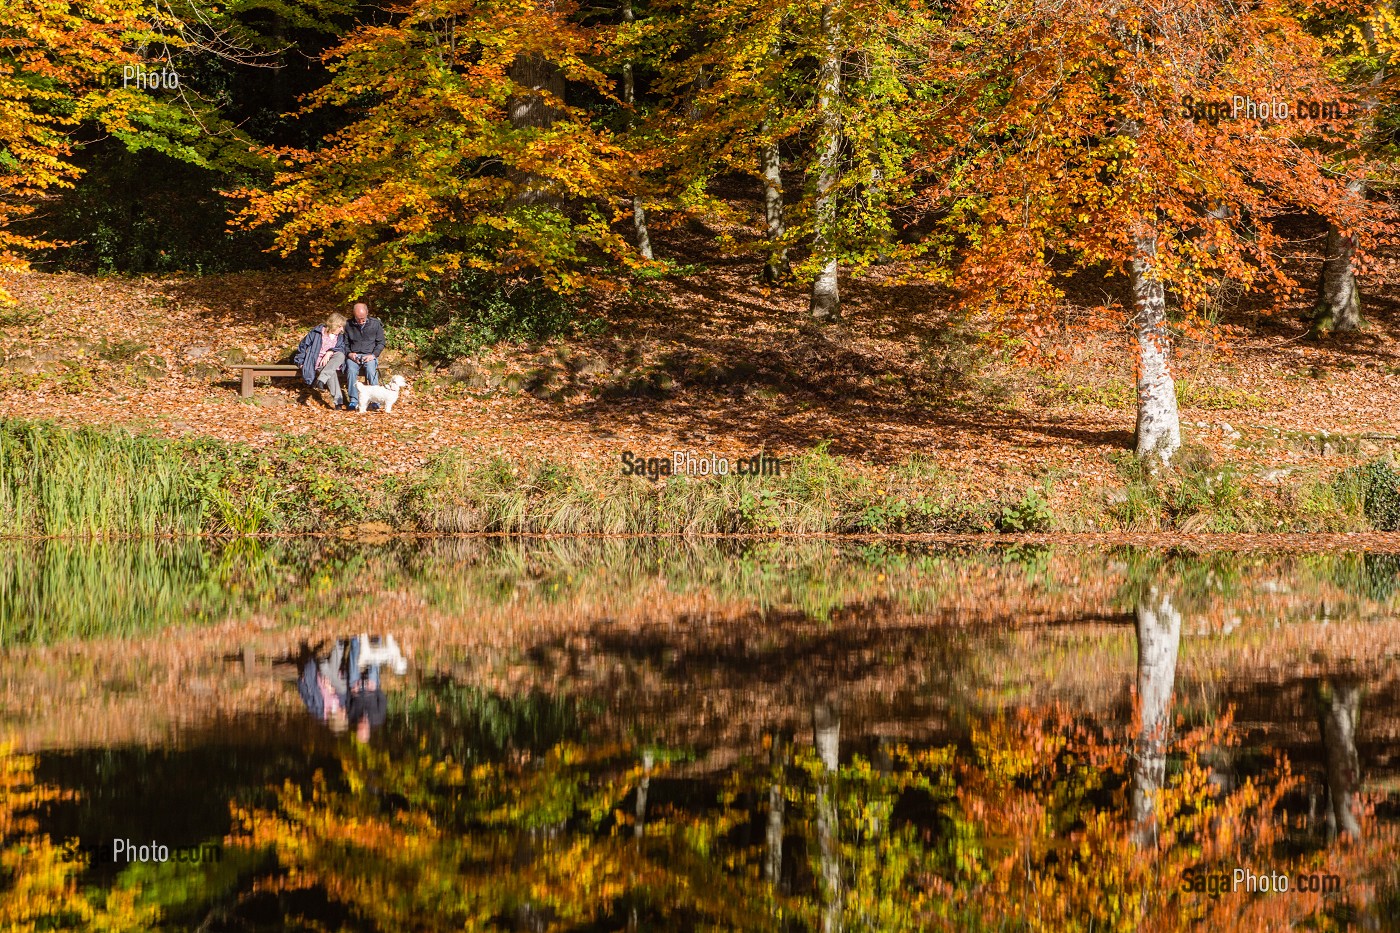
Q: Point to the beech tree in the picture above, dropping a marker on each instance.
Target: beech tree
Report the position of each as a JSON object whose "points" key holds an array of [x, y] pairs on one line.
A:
{"points": [[1363, 45], [54, 59], [459, 152], [640, 231], [115, 66], [830, 85], [1103, 135]]}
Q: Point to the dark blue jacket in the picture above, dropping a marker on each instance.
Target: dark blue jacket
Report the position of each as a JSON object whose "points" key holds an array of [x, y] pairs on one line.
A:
{"points": [[311, 691], [310, 349], [365, 338]]}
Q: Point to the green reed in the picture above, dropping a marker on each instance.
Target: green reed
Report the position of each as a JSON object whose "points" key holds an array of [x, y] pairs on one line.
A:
{"points": [[55, 481]]}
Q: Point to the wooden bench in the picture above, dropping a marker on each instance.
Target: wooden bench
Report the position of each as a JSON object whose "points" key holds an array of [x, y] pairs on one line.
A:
{"points": [[252, 371]]}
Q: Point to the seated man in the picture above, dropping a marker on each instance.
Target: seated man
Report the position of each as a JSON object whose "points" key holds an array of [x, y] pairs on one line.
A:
{"points": [[365, 339], [366, 707]]}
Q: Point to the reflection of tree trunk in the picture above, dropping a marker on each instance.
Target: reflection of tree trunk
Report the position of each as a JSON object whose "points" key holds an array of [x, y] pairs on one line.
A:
{"points": [[639, 825], [642, 786], [1339, 706], [826, 727], [777, 805], [529, 917], [533, 73], [884, 764], [1159, 637]]}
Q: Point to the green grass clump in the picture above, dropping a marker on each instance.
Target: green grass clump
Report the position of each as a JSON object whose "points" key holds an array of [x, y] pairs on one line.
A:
{"points": [[816, 493], [1195, 494], [85, 482], [1199, 494]]}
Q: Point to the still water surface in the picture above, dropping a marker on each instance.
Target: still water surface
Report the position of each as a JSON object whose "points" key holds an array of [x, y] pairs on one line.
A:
{"points": [[649, 735]]}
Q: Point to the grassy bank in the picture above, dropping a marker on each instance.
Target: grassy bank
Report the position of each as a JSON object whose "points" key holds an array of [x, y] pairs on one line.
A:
{"points": [[56, 481]]}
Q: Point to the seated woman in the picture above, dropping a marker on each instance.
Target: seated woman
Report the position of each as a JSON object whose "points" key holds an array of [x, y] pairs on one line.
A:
{"points": [[321, 356], [324, 688]]}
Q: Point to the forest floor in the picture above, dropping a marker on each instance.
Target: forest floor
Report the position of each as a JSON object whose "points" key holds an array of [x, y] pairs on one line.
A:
{"points": [[713, 363]]}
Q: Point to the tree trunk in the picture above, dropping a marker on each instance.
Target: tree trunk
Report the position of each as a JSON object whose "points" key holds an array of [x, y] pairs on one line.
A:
{"points": [[639, 227], [1158, 422], [777, 268], [698, 86], [629, 97], [533, 111], [826, 728], [1341, 704], [1158, 637], [826, 298], [1338, 298]]}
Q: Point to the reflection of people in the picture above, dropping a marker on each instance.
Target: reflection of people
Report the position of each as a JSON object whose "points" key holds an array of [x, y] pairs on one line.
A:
{"points": [[342, 688], [323, 688], [321, 356]]}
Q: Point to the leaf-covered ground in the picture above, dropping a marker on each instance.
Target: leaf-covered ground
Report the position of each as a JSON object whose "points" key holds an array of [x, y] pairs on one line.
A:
{"points": [[711, 362]]}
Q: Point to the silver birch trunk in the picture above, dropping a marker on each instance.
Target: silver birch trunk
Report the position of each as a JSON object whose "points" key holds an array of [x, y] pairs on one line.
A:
{"points": [[1158, 421], [826, 296], [1159, 638], [629, 97], [1338, 298], [826, 729], [1341, 706]]}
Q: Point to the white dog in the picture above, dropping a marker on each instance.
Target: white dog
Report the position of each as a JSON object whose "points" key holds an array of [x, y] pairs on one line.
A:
{"points": [[381, 651], [386, 395]]}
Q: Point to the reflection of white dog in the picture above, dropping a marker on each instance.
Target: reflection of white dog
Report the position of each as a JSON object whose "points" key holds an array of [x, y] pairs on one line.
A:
{"points": [[381, 651], [386, 395]]}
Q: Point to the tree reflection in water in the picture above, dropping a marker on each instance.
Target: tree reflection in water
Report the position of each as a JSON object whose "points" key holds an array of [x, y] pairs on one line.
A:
{"points": [[889, 763]]}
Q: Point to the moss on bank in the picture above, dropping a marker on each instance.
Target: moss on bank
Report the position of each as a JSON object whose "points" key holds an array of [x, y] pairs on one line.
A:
{"points": [[58, 481]]}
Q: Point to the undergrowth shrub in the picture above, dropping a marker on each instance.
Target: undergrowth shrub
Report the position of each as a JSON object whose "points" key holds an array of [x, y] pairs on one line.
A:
{"points": [[1377, 485], [462, 315]]}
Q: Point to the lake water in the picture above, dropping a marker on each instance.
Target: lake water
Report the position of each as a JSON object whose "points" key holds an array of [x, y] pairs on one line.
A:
{"points": [[724, 735]]}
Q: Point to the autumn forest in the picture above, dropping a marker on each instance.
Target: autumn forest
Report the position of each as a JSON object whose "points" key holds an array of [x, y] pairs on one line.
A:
{"points": [[695, 465], [426, 151]]}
